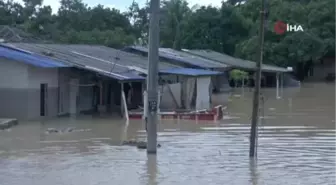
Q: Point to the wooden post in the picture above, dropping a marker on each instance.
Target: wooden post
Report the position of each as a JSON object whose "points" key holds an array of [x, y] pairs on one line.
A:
{"points": [[159, 101], [73, 96], [121, 100], [282, 84], [125, 105], [277, 86], [243, 86], [101, 94]]}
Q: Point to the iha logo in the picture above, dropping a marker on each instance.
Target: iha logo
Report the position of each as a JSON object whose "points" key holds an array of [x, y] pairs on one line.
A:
{"points": [[281, 27]]}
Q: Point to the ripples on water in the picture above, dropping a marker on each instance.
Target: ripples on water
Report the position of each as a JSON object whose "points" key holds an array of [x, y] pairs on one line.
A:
{"points": [[292, 150]]}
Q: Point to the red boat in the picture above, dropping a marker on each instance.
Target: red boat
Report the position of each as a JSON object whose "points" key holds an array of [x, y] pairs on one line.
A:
{"points": [[214, 114]]}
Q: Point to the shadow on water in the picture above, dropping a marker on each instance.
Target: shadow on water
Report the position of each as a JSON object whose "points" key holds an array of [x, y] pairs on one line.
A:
{"points": [[296, 145]]}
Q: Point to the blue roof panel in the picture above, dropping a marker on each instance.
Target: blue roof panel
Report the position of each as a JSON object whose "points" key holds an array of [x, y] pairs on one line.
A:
{"points": [[190, 72], [31, 59]]}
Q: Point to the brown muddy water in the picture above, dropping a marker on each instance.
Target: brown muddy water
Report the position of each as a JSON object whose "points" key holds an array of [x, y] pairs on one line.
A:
{"points": [[296, 146]]}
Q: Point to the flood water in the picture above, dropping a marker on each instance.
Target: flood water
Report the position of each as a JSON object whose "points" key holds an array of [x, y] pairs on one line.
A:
{"points": [[296, 145]]}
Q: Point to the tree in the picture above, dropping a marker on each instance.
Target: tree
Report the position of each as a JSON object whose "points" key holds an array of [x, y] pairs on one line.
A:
{"points": [[174, 13], [290, 49], [231, 29], [139, 18], [11, 13]]}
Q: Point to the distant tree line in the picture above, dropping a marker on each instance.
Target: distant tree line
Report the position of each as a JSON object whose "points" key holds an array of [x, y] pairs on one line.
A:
{"points": [[231, 28]]}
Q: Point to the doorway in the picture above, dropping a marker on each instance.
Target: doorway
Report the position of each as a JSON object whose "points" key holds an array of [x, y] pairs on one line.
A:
{"points": [[43, 99]]}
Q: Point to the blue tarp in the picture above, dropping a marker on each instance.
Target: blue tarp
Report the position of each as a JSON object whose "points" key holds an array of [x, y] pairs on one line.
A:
{"points": [[35, 60], [190, 72]]}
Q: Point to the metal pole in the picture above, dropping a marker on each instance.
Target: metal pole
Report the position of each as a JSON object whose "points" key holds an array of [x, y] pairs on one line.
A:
{"points": [[152, 78], [255, 111], [122, 107]]}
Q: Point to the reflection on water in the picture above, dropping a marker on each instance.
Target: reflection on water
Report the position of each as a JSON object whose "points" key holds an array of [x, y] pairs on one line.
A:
{"points": [[253, 172], [152, 169], [296, 146]]}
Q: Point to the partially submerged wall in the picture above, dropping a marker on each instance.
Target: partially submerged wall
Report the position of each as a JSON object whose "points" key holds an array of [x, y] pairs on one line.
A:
{"points": [[20, 90], [13, 86]]}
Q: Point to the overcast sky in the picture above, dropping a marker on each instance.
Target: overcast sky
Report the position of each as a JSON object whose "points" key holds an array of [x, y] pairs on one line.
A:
{"points": [[123, 4]]}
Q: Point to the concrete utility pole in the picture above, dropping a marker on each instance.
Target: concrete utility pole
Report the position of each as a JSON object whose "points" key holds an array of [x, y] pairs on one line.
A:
{"points": [[152, 77], [256, 98]]}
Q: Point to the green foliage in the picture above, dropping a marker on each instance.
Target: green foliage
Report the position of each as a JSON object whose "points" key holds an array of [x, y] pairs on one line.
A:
{"points": [[232, 28], [237, 75], [318, 39]]}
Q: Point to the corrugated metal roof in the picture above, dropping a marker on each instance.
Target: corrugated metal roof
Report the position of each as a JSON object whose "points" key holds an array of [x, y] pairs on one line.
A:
{"points": [[16, 34], [125, 76], [33, 54], [183, 58], [234, 62], [101, 57], [30, 58], [132, 75], [190, 72]]}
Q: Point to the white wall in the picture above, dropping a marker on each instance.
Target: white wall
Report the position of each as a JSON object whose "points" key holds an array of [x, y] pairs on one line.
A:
{"points": [[13, 74], [20, 75], [37, 76], [13, 84], [64, 80], [167, 101], [20, 89]]}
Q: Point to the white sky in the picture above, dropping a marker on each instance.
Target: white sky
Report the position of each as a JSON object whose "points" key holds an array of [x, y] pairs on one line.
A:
{"points": [[123, 4]]}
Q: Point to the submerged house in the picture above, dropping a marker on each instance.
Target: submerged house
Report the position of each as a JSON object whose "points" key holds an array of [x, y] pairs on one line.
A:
{"points": [[197, 65], [211, 60], [49, 80], [272, 74], [39, 80], [183, 59], [320, 70]]}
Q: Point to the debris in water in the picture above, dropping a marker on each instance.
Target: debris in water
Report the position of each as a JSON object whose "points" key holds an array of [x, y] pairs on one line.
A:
{"points": [[65, 130], [51, 130], [68, 130], [138, 144]]}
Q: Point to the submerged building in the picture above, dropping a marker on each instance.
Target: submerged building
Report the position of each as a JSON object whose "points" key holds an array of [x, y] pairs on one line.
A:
{"points": [[272, 76], [48, 80]]}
